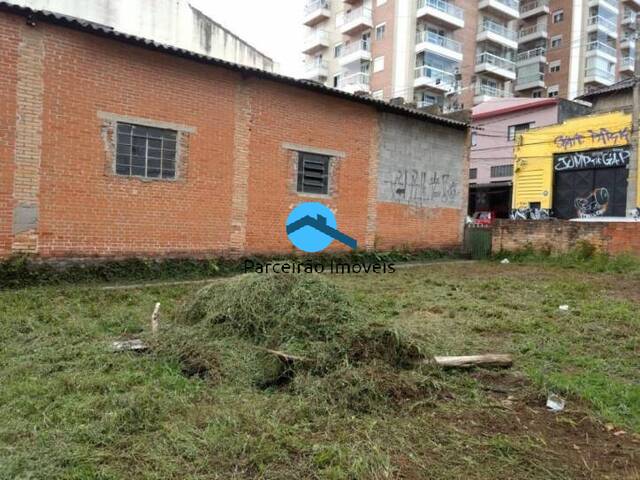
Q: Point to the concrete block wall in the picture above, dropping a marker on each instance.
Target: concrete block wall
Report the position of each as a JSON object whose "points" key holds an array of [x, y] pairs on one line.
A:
{"points": [[238, 136]]}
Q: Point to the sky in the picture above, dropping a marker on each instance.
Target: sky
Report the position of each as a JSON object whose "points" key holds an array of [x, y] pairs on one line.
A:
{"points": [[273, 27]]}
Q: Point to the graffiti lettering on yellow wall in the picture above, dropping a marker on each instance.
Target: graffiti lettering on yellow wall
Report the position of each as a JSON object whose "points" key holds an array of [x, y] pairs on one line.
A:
{"points": [[421, 188], [603, 136], [612, 157]]}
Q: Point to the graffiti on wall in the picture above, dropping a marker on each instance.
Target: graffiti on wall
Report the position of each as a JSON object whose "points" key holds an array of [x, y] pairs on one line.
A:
{"points": [[594, 205], [528, 213], [612, 157], [420, 188], [602, 136]]}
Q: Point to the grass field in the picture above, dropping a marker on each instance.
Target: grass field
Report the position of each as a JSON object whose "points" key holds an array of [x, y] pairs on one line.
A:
{"points": [[71, 409]]}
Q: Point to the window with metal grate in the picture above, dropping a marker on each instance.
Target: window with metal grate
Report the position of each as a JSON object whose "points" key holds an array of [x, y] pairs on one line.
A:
{"points": [[145, 152], [313, 173]]}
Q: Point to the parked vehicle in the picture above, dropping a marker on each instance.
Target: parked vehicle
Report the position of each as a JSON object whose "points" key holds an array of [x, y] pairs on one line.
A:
{"points": [[484, 218]]}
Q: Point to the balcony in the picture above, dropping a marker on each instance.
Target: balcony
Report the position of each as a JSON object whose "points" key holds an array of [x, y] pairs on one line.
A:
{"points": [[536, 55], [632, 3], [318, 71], [627, 65], [355, 52], [629, 20], [602, 24], [610, 5], [496, 33], [443, 46], [530, 81], [533, 9], [430, 77], [316, 11], [316, 42], [484, 93], [356, 82], [503, 8], [438, 102], [441, 12], [627, 42], [494, 65], [533, 32], [599, 75], [602, 50], [356, 21]]}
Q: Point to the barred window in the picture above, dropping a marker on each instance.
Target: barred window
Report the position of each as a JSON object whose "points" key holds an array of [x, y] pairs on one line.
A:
{"points": [[502, 171], [313, 173], [473, 173], [145, 151]]}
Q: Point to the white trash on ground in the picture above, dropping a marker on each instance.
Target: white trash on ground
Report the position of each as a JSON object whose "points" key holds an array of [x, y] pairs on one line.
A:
{"points": [[555, 403], [505, 261], [564, 308]]}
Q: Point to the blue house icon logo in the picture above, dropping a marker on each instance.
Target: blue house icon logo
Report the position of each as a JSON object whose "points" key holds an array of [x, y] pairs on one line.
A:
{"points": [[312, 227]]}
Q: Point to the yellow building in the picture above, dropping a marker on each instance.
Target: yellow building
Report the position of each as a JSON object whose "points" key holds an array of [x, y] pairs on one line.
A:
{"points": [[575, 169]]}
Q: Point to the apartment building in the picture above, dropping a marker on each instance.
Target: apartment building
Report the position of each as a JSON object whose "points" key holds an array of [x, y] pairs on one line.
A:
{"points": [[456, 54]]}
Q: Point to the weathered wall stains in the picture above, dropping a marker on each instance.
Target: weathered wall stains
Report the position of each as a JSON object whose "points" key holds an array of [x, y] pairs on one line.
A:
{"points": [[419, 165]]}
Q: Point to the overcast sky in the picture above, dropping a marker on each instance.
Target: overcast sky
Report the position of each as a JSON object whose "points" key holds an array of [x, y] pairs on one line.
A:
{"points": [[273, 27]]}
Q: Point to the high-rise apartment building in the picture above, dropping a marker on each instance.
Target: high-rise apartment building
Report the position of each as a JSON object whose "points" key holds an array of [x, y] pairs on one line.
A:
{"points": [[456, 54]]}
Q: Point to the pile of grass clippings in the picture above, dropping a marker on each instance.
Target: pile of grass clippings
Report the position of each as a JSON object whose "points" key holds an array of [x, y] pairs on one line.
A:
{"points": [[226, 333]]}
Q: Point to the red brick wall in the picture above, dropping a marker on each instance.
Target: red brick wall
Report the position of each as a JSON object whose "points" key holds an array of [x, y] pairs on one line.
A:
{"points": [[238, 184], [9, 37], [561, 236]]}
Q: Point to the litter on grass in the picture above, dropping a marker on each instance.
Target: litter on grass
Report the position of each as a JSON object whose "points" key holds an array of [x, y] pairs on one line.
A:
{"points": [[555, 403]]}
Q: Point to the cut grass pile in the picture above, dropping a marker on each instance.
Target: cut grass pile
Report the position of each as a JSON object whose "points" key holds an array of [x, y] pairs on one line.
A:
{"points": [[194, 406], [228, 332]]}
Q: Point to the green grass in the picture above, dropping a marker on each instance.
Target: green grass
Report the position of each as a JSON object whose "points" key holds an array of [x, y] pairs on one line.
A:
{"points": [[71, 409]]}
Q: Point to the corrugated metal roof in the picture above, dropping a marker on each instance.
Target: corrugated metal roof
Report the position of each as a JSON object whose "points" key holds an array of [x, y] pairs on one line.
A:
{"points": [[616, 87], [108, 32]]}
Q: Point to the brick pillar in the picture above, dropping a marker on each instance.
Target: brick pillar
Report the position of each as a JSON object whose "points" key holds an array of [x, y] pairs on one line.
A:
{"points": [[372, 191], [240, 193], [28, 148]]}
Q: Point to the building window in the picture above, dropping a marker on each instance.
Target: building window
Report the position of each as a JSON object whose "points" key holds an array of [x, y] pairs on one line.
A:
{"points": [[313, 173], [502, 171], [536, 94], [473, 173], [336, 80], [553, 91], [145, 152], [556, 41], [515, 130], [337, 50], [558, 16], [474, 139], [378, 64], [380, 31], [554, 67]]}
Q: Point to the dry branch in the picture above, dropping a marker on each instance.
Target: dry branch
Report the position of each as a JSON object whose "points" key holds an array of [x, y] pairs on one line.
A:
{"points": [[492, 360]]}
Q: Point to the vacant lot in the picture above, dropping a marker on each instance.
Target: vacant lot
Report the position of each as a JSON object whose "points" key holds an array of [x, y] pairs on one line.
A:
{"points": [[69, 408]]}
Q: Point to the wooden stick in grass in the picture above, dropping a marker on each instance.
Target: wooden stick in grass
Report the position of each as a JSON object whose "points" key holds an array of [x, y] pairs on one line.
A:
{"points": [[491, 360], [155, 319]]}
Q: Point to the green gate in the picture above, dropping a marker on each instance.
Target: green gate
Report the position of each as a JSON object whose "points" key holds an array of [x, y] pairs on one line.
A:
{"points": [[478, 241]]}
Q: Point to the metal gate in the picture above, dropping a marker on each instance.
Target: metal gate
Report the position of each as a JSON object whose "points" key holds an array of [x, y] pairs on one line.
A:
{"points": [[477, 241]]}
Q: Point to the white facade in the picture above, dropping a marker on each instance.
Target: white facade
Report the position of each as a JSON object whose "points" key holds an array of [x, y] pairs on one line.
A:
{"points": [[172, 22]]}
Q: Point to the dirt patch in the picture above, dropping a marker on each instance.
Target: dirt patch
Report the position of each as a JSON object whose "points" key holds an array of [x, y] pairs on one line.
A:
{"points": [[571, 438]]}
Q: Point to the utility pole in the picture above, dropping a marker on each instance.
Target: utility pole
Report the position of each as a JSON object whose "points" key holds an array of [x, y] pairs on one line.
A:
{"points": [[632, 187]]}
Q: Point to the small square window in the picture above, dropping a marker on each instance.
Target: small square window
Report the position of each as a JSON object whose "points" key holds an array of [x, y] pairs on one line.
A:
{"points": [[502, 171], [313, 173], [558, 16], [554, 67], [473, 173], [380, 31], [556, 42], [378, 64]]}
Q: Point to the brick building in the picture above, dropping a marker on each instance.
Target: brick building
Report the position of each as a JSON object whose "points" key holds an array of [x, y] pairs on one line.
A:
{"points": [[111, 145]]}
